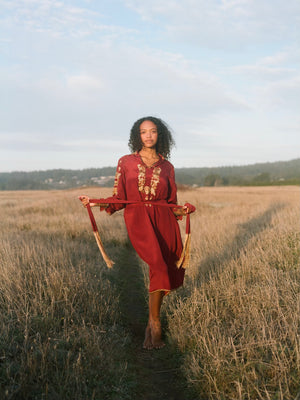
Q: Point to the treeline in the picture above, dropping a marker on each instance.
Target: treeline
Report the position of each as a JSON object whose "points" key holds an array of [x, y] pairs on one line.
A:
{"points": [[275, 173], [57, 179], [260, 174]]}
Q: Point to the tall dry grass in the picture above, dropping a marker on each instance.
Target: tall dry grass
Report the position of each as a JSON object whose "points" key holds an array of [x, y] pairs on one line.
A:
{"points": [[238, 319], [59, 331]]}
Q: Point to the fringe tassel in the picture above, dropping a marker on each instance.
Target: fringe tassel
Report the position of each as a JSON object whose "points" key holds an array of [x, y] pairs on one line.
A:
{"points": [[108, 261], [185, 255]]}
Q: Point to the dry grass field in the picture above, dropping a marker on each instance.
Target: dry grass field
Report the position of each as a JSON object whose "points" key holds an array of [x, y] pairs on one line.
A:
{"points": [[59, 333], [236, 321], [239, 323]]}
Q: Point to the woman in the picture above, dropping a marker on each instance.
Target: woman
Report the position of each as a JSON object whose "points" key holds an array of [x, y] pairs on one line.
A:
{"points": [[146, 177]]}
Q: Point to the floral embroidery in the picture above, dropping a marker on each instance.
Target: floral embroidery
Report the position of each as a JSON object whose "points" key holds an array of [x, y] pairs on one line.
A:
{"points": [[149, 191], [154, 181], [116, 182], [141, 177]]}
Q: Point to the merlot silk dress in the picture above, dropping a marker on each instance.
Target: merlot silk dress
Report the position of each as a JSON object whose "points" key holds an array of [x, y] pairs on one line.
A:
{"points": [[152, 229]]}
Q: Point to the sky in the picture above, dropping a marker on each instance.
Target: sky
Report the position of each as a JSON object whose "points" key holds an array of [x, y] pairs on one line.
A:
{"points": [[75, 76]]}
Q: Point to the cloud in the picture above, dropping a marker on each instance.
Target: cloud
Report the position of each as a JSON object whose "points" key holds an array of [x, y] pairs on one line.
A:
{"points": [[282, 64], [260, 72], [57, 19], [22, 142], [273, 81], [281, 95], [287, 56], [83, 83], [121, 81], [226, 24]]}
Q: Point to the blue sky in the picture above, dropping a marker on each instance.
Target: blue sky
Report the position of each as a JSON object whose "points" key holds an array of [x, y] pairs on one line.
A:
{"points": [[75, 75]]}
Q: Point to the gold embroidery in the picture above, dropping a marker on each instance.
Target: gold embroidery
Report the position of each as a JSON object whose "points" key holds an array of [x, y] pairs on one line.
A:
{"points": [[116, 182], [154, 181], [141, 177], [149, 191]]}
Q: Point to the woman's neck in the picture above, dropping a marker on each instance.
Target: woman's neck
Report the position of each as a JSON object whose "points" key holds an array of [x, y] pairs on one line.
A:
{"points": [[148, 153]]}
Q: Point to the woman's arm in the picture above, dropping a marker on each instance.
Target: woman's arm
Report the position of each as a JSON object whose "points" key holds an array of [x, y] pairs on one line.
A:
{"points": [[119, 190], [86, 200], [172, 198], [187, 208], [119, 193]]}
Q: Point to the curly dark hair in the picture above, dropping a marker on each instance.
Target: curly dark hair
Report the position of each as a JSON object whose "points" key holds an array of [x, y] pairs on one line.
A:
{"points": [[165, 140]]}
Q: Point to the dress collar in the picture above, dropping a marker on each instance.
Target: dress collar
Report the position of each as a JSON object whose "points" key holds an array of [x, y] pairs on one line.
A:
{"points": [[161, 159]]}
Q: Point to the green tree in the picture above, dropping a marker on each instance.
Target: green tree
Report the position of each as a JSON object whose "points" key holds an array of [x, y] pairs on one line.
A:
{"points": [[213, 180]]}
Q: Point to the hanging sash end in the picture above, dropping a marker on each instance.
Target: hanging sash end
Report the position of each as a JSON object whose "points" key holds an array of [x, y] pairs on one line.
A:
{"points": [[107, 260], [184, 260]]}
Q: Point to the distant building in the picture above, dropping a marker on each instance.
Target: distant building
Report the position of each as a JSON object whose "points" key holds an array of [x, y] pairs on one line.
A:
{"points": [[102, 180]]}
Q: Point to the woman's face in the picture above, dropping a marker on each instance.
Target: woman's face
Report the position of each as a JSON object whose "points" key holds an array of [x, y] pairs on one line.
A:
{"points": [[149, 135]]}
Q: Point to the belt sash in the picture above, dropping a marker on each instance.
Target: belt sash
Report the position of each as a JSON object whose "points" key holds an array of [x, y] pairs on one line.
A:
{"points": [[185, 255]]}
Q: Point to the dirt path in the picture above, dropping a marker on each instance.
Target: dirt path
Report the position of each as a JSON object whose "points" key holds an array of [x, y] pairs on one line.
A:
{"points": [[157, 372]]}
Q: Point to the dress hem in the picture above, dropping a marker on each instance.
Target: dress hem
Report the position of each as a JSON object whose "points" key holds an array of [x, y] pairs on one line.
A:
{"points": [[167, 291], [161, 290]]}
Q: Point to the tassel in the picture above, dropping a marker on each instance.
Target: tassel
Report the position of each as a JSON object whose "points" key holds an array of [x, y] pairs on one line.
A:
{"points": [[185, 254], [108, 261]]}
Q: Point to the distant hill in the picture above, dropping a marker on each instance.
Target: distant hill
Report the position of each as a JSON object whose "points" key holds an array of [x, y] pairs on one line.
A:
{"points": [[272, 173], [275, 173]]}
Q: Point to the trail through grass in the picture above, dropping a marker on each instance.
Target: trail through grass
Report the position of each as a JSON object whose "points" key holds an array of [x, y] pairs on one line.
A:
{"points": [[157, 372]]}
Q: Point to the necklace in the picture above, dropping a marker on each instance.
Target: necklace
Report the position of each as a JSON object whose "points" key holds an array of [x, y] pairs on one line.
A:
{"points": [[149, 161]]}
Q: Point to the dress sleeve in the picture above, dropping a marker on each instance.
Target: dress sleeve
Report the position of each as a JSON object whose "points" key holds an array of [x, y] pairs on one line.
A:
{"points": [[119, 190], [172, 197]]}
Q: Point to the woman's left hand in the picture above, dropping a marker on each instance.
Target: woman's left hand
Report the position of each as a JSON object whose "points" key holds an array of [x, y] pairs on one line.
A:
{"points": [[186, 209]]}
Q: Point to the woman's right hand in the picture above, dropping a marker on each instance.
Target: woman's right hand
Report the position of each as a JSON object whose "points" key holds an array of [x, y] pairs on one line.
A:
{"points": [[85, 201]]}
